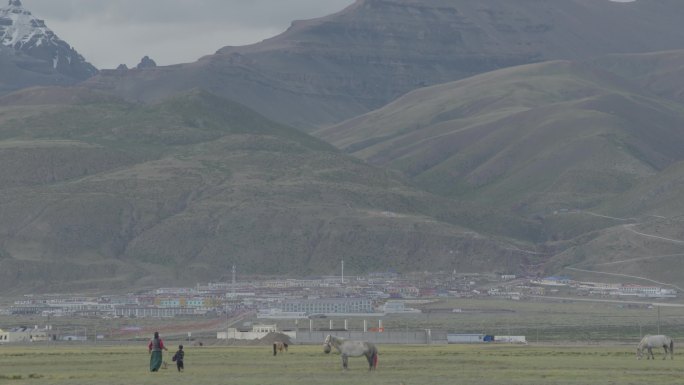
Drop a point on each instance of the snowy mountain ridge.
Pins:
(25, 33)
(19, 28)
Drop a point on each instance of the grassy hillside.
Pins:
(111, 194)
(538, 165)
(581, 150)
(643, 235)
(659, 72)
(532, 139)
(647, 253)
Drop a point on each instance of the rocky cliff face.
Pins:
(33, 54)
(329, 69)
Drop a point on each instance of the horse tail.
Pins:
(375, 358)
(285, 345)
(671, 348)
(274, 348)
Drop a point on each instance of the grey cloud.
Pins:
(254, 12)
(110, 32)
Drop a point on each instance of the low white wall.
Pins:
(238, 335)
(511, 339)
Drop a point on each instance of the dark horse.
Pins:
(279, 347)
(352, 349)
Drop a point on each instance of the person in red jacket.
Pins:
(155, 348)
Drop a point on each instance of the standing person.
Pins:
(178, 357)
(155, 348)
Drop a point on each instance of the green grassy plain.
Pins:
(303, 365)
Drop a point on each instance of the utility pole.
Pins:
(342, 271)
(232, 297)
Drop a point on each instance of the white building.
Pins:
(258, 331)
(23, 334)
(397, 307)
(329, 305)
(646, 291)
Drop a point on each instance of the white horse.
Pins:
(352, 349)
(649, 342)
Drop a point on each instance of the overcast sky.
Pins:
(110, 32)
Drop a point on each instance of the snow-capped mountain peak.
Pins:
(23, 32)
(18, 27)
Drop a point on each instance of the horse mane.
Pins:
(334, 340)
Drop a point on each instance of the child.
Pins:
(178, 357)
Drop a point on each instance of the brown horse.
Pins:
(279, 346)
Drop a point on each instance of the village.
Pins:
(301, 300)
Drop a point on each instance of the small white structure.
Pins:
(258, 331)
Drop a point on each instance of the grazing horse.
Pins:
(649, 342)
(279, 347)
(352, 349)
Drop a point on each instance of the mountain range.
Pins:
(526, 137)
(326, 70)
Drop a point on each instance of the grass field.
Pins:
(303, 365)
